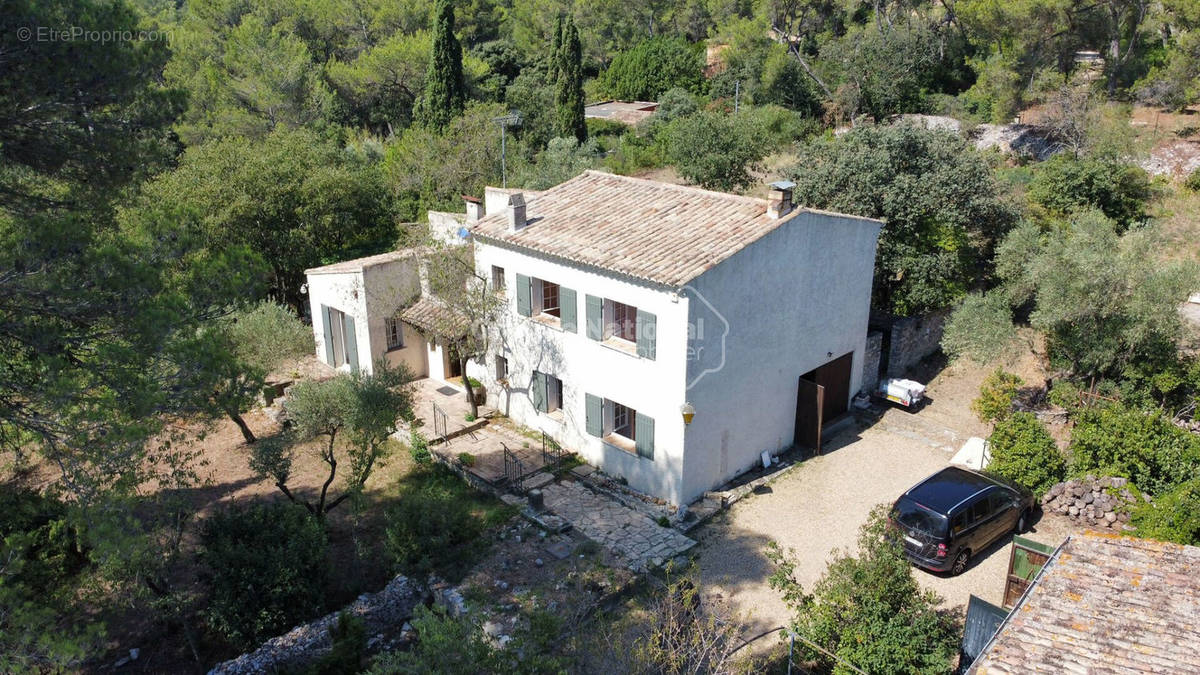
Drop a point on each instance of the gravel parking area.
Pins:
(817, 509)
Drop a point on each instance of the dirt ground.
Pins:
(817, 508)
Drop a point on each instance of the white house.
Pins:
(629, 302)
(369, 309)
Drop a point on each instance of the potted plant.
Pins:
(479, 391)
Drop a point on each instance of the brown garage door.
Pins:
(822, 395)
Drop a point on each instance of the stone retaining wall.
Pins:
(871, 356)
(914, 338)
(384, 614)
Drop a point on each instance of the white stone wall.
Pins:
(652, 387)
(793, 300)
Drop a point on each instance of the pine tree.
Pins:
(445, 91)
(568, 97)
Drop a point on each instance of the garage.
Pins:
(822, 395)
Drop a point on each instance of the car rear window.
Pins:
(912, 516)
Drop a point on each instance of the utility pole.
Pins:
(513, 118)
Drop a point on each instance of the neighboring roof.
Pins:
(947, 488)
(659, 232)
(360, 264)
(629, 112)
(1107, 604)
(432, 316)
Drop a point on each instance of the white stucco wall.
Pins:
(791, 299)
(369, 295)
(652, 387)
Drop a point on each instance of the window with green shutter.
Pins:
(594, 415)
(647, 331)
(644, 432)
(524, 299)
(568, 309)
(537, 391)
(351, 344)
(594, 317)
(327, 336)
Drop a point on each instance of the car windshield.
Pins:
(912, 516)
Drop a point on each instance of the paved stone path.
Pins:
(638, 539)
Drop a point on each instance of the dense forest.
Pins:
(169, 169)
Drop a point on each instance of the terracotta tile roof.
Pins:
(664, 233)
(1108, 604)
(432, 316)
(360, 264)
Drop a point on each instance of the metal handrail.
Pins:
(554, 453)
(511, 460)
(440, 430)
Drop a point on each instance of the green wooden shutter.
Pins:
(594, 409)
(328, 334)
(537, 391)
(351, 344)
(595, 317)
(568, 309)
(524, 299)
(644, 431)
(647, 331)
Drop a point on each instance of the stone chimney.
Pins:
(475, 209)
(516, 212)
(779, 199)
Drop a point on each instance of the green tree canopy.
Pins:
(716, 150)
(652, 67)
(868, 610)
(1102, 299)
(295, 198)
(445, 89)
(942, 207)
(568, 99)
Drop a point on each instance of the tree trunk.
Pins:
(462, 365)
(332, 462)
(241, 423)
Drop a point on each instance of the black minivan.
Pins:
(956, 512)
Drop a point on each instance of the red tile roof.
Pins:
(659, 232)
(1107, 604)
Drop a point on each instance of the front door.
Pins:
(453, 365)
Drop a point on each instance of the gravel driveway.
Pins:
(818, 508)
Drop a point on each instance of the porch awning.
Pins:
(434, 318)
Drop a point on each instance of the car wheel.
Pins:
(960, 563)
(1022, 522)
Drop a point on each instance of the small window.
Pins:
(395, 333)
(501, 368)
(550, 299)
(624, 322)
(623, 419)
(497, 278)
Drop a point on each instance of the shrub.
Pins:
(432, 530)
(1022, 450)
(418, 447)
(869, 610)
(1066, 185)
(467, 459)
(1174, 516)
(718, 151)
(35, 527)
(652, 67)
(1145, 448)
(1192, 182)
(447, 645)
(267, 571)
(349, 638)
(996, 396)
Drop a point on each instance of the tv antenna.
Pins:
(512, 119)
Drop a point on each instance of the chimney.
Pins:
(474, 208)
(516, 212)
(779, 199)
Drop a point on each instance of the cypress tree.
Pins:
(569, 93)
(445, 92)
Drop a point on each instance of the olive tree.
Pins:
(361, 408)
